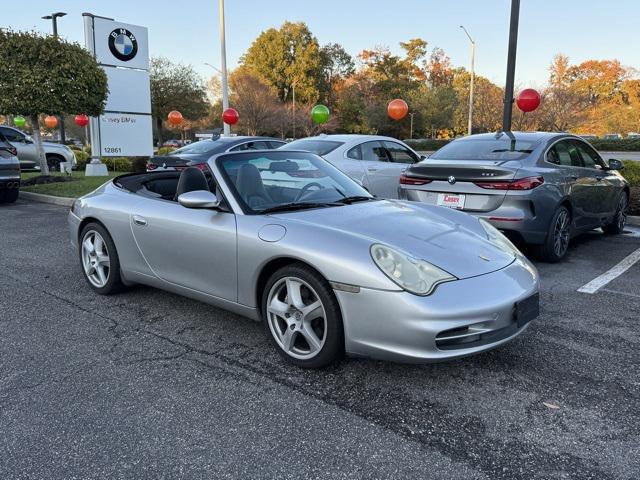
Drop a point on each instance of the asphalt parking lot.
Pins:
(147, 384)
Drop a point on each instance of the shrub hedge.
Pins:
(631, 172)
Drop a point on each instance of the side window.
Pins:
(275, 144)
(590, 158)
(373, 152)
(251, 146)
(12, 135)
(355, 153)
(399, 153)
(565, 154)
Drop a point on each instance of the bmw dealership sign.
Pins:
(122, 50)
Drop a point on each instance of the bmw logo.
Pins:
(123, 44)
(451, 179)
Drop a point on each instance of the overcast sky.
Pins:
(188, 30)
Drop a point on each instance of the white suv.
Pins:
(28, 155)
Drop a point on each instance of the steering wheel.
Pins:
(306, 188)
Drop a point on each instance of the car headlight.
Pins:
(413, 275)
(496, 238)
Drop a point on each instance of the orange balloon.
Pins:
(397, 109)
(50, 121)
(174, 118)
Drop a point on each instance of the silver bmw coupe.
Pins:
(286, 238)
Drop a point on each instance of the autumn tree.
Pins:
(176, 87)
(256, 100)
(487, 103)
(286, 57)
(48, 75)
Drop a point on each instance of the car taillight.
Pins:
(151, 166)
(527, 183)
(408, 180)
(201, 166)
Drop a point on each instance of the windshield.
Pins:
(280, 180)
(319, 147)
(485, 149)
(203, 146)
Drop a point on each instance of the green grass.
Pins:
(80, 185)
(631, 172)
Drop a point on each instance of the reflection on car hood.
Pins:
(451, 240)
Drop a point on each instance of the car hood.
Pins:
(451, 240)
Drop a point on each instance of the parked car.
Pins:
(9, 172)
(612, 136)
(542, 188)
(196, 154)
(172, 143)
(290, 239)
(374, 161)
(28, 155)
(588, 137)
(633, 135)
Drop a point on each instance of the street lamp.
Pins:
(473, 61)
(214, 67)
(223, 73)
(54, 20)
(411, 114)
(511, 65)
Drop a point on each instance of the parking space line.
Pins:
(597, 283)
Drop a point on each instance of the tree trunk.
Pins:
(159, 130)
(37, 139)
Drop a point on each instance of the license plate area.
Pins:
(526, 310)
(451, 200)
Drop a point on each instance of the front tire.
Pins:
(556, 243)
(99, 260)
(619, 221)
(302, 317)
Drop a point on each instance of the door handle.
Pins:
(138, 220)
(372, 169)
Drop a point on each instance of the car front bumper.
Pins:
(460, 318)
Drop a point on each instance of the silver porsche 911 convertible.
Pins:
(286, 238)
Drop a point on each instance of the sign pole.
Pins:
(223, 63)
(511, 66)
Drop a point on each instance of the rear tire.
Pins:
(302, 317)
(556, 243)
(9, 195)
(54, 161)
(99, 260)
(617, 224)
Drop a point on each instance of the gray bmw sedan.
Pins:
(540, 188)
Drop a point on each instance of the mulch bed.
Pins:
(41, 180)
(634, 203)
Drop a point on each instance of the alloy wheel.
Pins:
(622, 212)
(296, 318)
(95, 259)
(561, 233)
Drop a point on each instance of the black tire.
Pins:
(53, 161)
(619, 221)
(556, 243)
(9, 195)
(332, 328)
(113, 280)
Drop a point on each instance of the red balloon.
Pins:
(528, 100)
(174, 118)
(397, 109)
(82, 120)
(230, 116)
(50, 121)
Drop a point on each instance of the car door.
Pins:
(25, 146)
(578, 181)
(606, 189)
(192, 248)
(373, 158)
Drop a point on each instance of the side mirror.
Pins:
(199, 199)
(615, 164)
(423, 157)
(27, 139)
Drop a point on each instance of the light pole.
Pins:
(54, 20)
(411, 114)
(473, 61)
(511, 66)
(223, 73)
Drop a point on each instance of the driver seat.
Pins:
(191, 179)
(250, 186)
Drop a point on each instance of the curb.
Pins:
(39, 197)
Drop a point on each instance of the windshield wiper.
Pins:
(297, 206)
(353, 199)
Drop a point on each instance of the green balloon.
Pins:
(320, 114)
(19, 121)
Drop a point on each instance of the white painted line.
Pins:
(597, 283)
